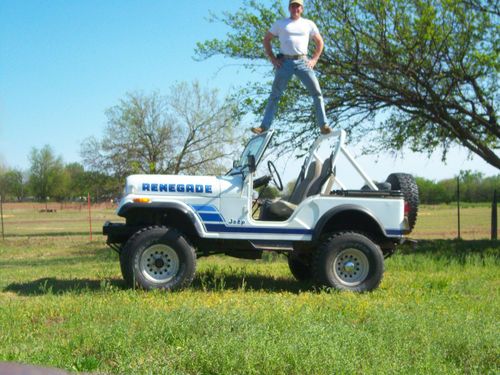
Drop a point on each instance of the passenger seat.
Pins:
(283, 209)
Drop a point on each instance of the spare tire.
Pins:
(406, 183)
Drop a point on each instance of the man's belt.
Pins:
(294, 57)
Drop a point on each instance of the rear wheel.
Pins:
(158, 258)
(406, 183)
(348, 261)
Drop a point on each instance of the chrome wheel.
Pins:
(351, 267)
(159, 263)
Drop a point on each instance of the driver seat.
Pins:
(284, 209)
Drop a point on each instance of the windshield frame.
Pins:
(241, 164)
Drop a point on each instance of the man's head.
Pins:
(296, 7)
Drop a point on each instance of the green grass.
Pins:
(63, 304)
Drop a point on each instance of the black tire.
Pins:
(300, 268)
(406, 183)
(158, 258)
(123, 268)
(348, 261)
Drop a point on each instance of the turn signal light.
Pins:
(142, 200)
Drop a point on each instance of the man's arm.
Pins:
(269, 49)
(318, 41)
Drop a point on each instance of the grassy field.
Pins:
(63, 304)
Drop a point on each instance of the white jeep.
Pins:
(334, 237)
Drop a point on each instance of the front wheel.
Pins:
(158, 258)
(349, 261)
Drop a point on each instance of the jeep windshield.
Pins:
(256, 147)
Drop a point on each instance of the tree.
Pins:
(188, 131)
(46, 174)
(421, 74)
(12, 184)
(268, 192)
(99, 185)
(77, 186)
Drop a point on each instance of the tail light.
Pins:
(407, 208)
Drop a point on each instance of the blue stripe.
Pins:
(202, 207)
(223, 228)
(211, 217)
(394, 232)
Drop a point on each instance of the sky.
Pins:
(64, 62)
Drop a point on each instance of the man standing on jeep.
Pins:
(294, 34)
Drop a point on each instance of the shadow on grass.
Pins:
(452, 249)
(51, 285)
(204, 281)
(210, 282)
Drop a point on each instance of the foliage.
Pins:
(421, 74)
(46, 174)
(189, 131)
(474, 187)
(268, 192)
(99, 185)
(12, 184)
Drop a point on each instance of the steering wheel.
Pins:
(275, 175)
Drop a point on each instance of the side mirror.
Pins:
(251, 163)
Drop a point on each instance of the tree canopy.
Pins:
(187, 131)
(46, 174)
(12, 184)
(421, 74)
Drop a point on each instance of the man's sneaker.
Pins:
(325, 129)
(258, 130)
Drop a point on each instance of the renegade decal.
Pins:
(178, 188)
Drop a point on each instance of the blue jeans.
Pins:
(308, 78)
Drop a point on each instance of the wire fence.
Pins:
(30, 219)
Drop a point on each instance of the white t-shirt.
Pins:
(294, 35)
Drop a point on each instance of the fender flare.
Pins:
(182, 207)
(337, 210)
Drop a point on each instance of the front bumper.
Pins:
(118, 233)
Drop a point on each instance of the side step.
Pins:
(272, 245)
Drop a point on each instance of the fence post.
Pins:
(90, 216)
(1, 215)
(458, 206)
(494, 221)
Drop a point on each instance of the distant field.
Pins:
(440, 221)
(23, 219)
(434, 222)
